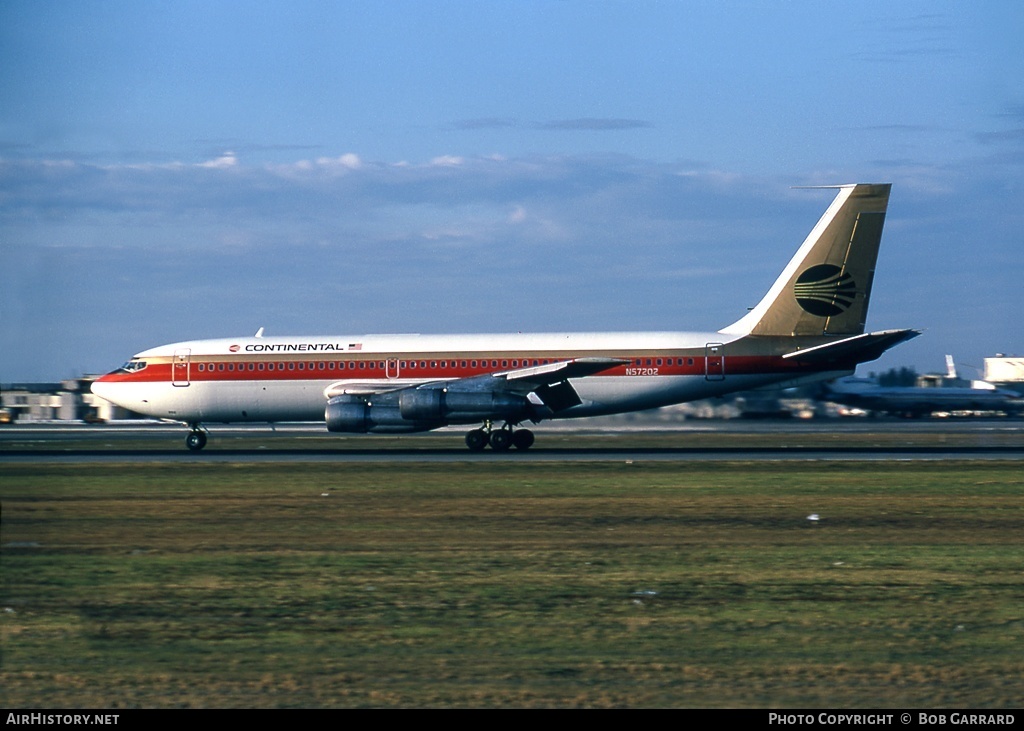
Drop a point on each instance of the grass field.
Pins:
(513, 585)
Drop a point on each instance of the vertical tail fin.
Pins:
(824, 290)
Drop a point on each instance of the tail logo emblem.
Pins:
(825, 290)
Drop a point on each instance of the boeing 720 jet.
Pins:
(808, 327)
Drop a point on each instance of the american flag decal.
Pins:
(355, 346)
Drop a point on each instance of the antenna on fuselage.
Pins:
(259, 333)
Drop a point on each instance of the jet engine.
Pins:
(430, 404)
(352, 414)
(422, 409)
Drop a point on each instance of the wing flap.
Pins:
(550, 383)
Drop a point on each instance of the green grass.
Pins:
(504, 584)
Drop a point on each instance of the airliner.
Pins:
(808, 327)
(918, 401)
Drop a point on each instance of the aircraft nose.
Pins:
(103, 388)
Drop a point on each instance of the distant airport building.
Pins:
(1005, 371)
(69, 400)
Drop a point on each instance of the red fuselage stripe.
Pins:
(238, 369)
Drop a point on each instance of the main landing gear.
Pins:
(500, 439)
(196, 438)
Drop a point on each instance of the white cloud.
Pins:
(227, 160)
(348, 161)
(447, 161)
(622, 239)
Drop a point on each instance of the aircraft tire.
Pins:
(195, 441)
(522, 439)
(501, 440)
(476, 440)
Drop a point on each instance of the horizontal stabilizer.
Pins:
(855, 349)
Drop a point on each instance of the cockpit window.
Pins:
(133, 365)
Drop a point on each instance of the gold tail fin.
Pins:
(824, 290)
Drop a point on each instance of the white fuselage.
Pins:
(290, 379)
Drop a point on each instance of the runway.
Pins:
(705, 441)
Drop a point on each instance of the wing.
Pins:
(563, 369)
(545, 385)
(548, 383)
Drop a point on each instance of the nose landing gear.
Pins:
(196, 438)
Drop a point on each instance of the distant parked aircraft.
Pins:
(809, 326)
(916, 401)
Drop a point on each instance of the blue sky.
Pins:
(177, 170)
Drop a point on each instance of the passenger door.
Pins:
(180, 367)
(714, 362)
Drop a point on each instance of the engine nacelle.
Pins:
(422, 409)
(438, 404)
(351, 414)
